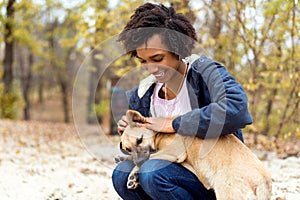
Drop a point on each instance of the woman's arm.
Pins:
(228, 110)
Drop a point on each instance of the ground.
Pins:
(47, 161)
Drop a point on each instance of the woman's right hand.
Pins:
(122, 123)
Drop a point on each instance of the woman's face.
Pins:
(156, 58)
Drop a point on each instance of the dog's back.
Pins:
(224, 164)
(230, 168)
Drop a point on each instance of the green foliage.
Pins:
(102, 108)
(259, 44)
(11, 103)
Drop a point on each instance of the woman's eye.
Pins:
(158, 60)
(142, 61)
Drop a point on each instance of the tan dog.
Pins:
(229, 167)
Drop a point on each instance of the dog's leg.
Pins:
(133, 178)
(172, 149)
(123, 158)
(139, 156)
(132, 181)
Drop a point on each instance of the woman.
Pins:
(194, 96)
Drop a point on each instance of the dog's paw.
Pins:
(131, 185)
(119, 159)
(132, 182)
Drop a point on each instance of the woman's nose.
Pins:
(151, 68)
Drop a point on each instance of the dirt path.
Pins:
(48, 161)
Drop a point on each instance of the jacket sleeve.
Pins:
(227, 111)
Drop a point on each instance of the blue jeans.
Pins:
(160, 179)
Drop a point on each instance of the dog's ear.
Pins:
(134, 116)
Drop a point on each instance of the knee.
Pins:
(120, 174)
(153, 172)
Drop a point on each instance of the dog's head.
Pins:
(135, 137)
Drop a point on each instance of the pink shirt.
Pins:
(170, 108)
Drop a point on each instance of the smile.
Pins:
(159, 74)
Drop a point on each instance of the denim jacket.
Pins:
(219, 103)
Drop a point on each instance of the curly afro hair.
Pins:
(177, 33)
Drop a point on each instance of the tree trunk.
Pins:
(185, 4)
(26, 87)
(25, 77)
(41, 88)
(93, 85)
(269, 109)
(65, 86)
(215, 29)
(9, 47)
(65, 100)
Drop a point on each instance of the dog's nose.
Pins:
(152, 150)
(126, 151)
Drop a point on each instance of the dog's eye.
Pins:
(139, 140)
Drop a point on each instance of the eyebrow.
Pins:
(151, 57)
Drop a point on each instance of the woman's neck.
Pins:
(171, 88)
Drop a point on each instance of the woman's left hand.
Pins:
(158, 124)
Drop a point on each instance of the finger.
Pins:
(121, 125)
(145, 125)
(138, 124)
(120, 131)
(122, 122)
(148, 120)
(148, 126)
(124, 118)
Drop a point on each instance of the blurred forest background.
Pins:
(44, 42)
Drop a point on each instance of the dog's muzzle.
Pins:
(126, 152)
(152, 151)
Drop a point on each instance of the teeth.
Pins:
(160, 74)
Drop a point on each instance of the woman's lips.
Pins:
(159, 74)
